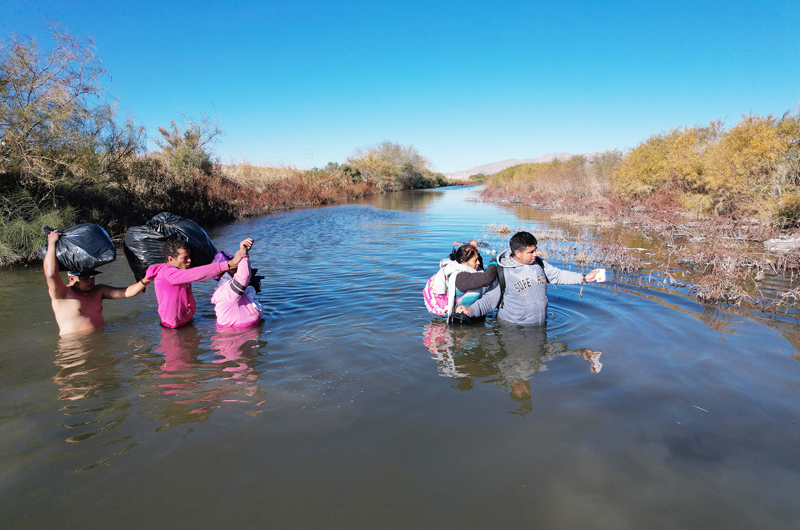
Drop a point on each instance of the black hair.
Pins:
(463, 253)
(171, 250)
(521, 241)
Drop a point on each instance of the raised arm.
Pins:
(177, 276)
(243, 272)
(55, 285)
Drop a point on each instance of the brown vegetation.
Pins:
(709, 195)
(66, 157)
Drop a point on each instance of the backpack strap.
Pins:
(540, 263)
(501, 277)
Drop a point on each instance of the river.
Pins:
(352, 407)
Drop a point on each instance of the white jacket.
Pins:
(445, 281)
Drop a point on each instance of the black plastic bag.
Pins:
(145, 245)
(82, 247)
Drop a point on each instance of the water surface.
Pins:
(351, 407)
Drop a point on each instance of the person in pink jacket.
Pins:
(173, 281)
(234, 300)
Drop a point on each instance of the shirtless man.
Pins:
(78, 306)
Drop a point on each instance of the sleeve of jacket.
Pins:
(467, 281)
(243, 272)
(556, 275)
(487, 302)
(177, 276)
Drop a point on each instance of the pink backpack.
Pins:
(436, 303)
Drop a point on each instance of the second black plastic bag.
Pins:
(145, 245)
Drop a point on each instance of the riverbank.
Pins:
(719, 258)
(711, 195)
(214, 193)
(67, 157)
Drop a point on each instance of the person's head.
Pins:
(594, 358)
(466, 254)
(82, 281)
(223, 280)
(523, 247)
(520, 390)
(179, 253)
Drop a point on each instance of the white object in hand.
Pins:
(600, 276)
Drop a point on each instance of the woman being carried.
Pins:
(448, 288)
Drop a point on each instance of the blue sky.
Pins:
(466, 82)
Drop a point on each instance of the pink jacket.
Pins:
(174, 291)
(232, 307)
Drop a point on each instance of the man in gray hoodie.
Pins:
(524, 300)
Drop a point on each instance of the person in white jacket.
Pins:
(460, 279)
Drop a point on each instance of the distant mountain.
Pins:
(494, 167)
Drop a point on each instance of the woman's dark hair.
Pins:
(171, 250)
(463, 253)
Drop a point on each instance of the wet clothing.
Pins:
(525, 296)
(232, 304)
(176, 304)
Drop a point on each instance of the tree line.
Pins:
(67, 155)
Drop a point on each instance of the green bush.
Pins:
(20, 239)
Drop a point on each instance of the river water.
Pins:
(352, 407)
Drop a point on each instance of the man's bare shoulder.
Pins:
(84, 296)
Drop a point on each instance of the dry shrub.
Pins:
(744, 170)
(749, 170)
(257, 177)
(725, 273)
(390, 167)
(500, 229)
(671, 159)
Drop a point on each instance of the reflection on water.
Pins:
(507, 355)
(82, 374)
(201, 381)
(689, 419)
(404, 202)
(181, 381)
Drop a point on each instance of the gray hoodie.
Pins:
(525, 297)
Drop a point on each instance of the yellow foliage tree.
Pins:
(742, 165)
(675, 158)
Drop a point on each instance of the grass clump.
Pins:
(21, 236)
